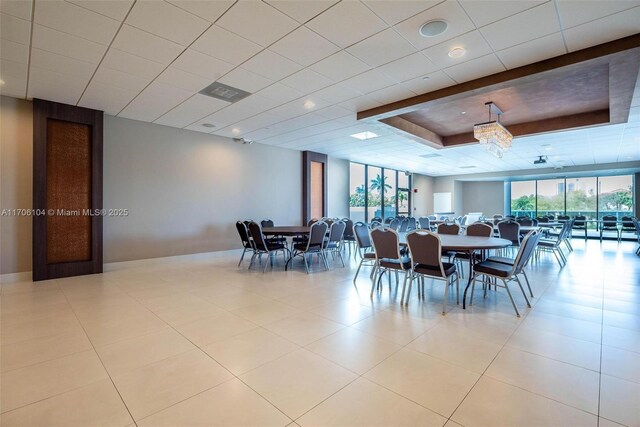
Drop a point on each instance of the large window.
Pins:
(378, 192)
(357, 195)
(592, 197)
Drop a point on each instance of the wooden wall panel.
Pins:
(308, 159)
(317, 189)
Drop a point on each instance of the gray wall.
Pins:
(483, 196)
(184, 190)
(338, 188)
(423, 199)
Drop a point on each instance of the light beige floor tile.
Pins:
(619, 401)
(235, 300)
(36, 382)
(452, 424)
(568, 384)
(567, 326)
(363, 403)
(621, 363)
(354, 349)
(431, 382)
(621, 320)
(161, 384)
(626, 339)
(97, 404)
(127, 355)
(154, 291)
(121, 328)
(493, 403)
(297, 381)
(489, 325)
(565, 349)
(248, 350)
(346, 312)
(56, 322)
(265, 313)
(304, 328)
(397, 327)
(456, 347)
(29, 286)
(603, 422)
(181, 308)
(36, 350)
(229, 404)
(211, 329)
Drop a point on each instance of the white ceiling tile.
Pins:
(18, 8)
(256, 122)
(472, 42)
(224, 45)
(280, 93)
(162, 90)
(369, 81)
(302, 10)
(603, 30)
(205, 9)
(361, 103)
(202, 65)
(146, 45)
(183, 80)
(15, 52)
(14, 29)
(57, 87)
(72, 19)
(394, 11)
(115, 78)
(337, 93)
(11, 70)
(271, 65)
(306, 81)
(116, 9)
(191, 110)
(483, 12)
(381, 48)
(66, 44)
(105, 97)
(533, 51)
(167, 21)
(391, 94)
(450, 11)
(304, 47)
(576, 12)
(435, 81)
(131, 64)
(347, 23)
(61, 64)
(340, 66)
(14, 86)
(245, 80)
(147, 107)
(257, 21)
(408, 67)
(522, 27)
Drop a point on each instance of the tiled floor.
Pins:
(205, 343)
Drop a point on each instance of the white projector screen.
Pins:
(442, 202)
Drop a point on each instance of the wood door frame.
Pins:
(307, 158)
(43, 111)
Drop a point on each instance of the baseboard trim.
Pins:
(122, 265)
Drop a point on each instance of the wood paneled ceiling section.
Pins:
(590, 87)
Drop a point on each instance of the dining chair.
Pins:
(334, 243)
(247, 242)
(424, 223)
(580, 223)
(553, 245)
(448, 229)
(510, 230)
(426, 261)
(477, 229)
(264, 246)
(636, 224)
(364, 248)
(609, 223)
(315, 244)
(394, 224)
(404, 225)
(627, 226)
(273, 239)
(504, 272)
(349, 236)
(386, 245)
(528, 254)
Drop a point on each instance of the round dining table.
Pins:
(466, 244)
(286, 230)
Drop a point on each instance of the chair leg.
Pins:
(244, 251)
(404, 287)
(341, 259)
(511, 298)
(266, 263)
(253, 258)
(457, 289)
(446, 295)
(409, 290)
(524, 273)
(358, 271)
(523, 293)
(306, 264)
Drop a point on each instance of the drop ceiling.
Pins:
(148, 59)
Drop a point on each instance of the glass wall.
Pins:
(523, 198)
(615, 196)
(357, 192)
(373, 187)
(592, 197)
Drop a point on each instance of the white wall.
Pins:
(184, 190)
(338, 188)
(423, 199)
(483, 196)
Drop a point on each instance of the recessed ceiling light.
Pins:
(235, 131)
(426, 78)
(208, 125)
(365, 135)
(433, 28)
(457, 52)
(309, 104)
(463, 112)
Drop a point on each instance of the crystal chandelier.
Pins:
(495, 137)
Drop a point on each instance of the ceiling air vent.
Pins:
(430, 156)
(224, 92)
(467, 167)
